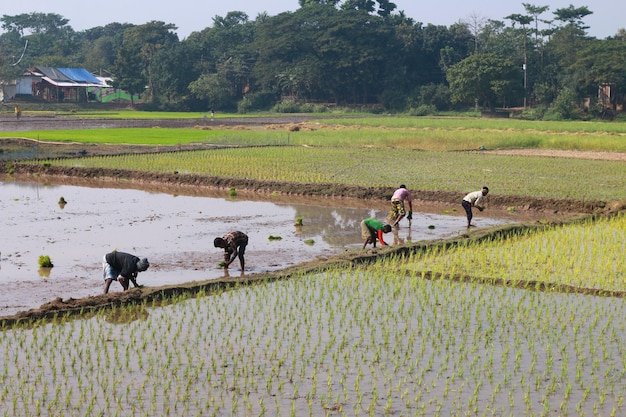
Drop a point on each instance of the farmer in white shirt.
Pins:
(474, 199)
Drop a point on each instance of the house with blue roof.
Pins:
(52, 84)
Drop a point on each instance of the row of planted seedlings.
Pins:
(588, 254)
(367, 341)
(378, 167)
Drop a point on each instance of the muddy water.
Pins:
(175, 232)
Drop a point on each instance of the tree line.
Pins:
(356, 53)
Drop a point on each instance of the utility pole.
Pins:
(525, 67)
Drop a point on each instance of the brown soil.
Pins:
(566, 209)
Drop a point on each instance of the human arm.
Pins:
(133, 279)
(479, 203)
(230, 255)
(380, 237)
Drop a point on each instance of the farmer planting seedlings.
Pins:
(122, 267)
(398, 209)
(234, 244)
(474, 199)
(372, 229)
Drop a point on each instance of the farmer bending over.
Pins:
(234, 244)
(122, 265)
(372, 229)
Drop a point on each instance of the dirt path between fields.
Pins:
(554, 153)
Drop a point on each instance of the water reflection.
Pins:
(176, 232)
(126, 314)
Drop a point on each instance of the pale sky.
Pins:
(195, 15)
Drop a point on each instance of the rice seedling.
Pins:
(586, 255)
(365, 341)
(371, 168)
(44, 261)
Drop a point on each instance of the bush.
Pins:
(437, 95)
(293, 106)
(536, 113)
(564, 106)
(423, 110)
(255, 102)
(287, 106)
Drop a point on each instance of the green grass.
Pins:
(151, 136)
(429, 134)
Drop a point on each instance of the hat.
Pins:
(143, 264)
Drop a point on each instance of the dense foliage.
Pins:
(352, 53)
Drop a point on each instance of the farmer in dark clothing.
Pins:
(122, 265)
(234, 244)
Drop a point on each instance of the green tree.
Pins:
(214, 89)
(173, 70)
(50, 39)
(100, 46)
(134, 63)
(288, 62)
(385, 7)
(573, 16)
(535, 11)
(600, 61)
(128, 72)
(484, 79)
(225, 59)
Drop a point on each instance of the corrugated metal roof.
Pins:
(70, 83)
(80, 75)
(68, 77)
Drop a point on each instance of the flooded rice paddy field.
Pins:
(340, 343)
(175, 232)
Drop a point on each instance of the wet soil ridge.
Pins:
(325, 190)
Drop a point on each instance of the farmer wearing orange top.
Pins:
(372, 229)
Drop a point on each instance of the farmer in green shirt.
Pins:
(372, 229)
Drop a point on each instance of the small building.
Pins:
(607, 95)
(58, 84)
